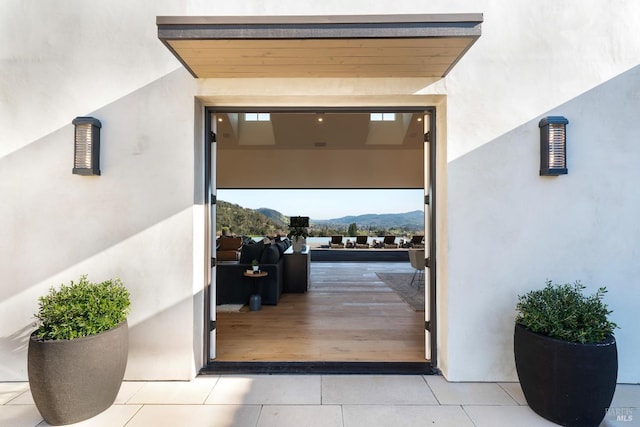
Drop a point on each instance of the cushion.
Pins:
(282, 246)
(268, 241)
(270, 255)
(251, 252)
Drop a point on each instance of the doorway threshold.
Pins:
(323, 368)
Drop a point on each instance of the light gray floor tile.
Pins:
(174, 392)
(267, 390)
(405, 416)
(376, 389)
(449, 393)
(25, 398)
(494, 416)
(627, 395)
(625, 407)
(127, 390)
(19, 416)
(116, 415)
(9, 391)
(300, 415)
(196, 416)
(515, 391)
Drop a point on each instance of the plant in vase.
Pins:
(298, 236)
(565, 353)
(78, 354)
(255, 266)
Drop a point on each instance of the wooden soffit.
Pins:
(320, 46)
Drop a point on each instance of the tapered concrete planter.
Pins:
(72, 380)
(571, 384)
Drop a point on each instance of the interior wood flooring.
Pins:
(347, 315)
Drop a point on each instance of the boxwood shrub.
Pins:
(82, 309)
(564, 312)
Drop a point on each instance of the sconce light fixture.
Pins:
(86, 151)
(553, 146)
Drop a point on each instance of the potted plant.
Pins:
(298, 237)
(255, 266)
(78, 354)
(565, 353)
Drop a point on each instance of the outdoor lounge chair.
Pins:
(361, 242)
(390, 242)
(417, 242)
(336, 242)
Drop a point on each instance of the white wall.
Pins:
(509, 229)
(142, 219)
(64, 59)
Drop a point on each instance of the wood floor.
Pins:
(347, 315)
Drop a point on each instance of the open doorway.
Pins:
(329, 149)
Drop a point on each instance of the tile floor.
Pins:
(313, 400)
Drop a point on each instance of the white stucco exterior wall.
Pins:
(135, 221)
(506, 229)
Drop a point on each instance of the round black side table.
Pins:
(255, 300)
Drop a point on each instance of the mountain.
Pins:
(407, 220)
(235, 219)
(275, 216)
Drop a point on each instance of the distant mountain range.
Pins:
(408, 220)
(238, 220)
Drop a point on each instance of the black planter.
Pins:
(571, 384)
(72, 380)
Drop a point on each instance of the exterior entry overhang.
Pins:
(320, 46)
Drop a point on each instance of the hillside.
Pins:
(235, 219)
(408, 219)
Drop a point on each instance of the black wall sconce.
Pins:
(86, 151)
(553, 146)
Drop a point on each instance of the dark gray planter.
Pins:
(72, 380)
(571, 384)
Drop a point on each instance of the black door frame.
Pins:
(307, 367)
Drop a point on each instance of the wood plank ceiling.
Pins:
(320, 46)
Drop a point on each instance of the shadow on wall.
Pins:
(525, 229)
(62, 225)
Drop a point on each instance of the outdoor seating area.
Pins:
(336, 242)
(387, 242)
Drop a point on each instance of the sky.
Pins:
(327, 204)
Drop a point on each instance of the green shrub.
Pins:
(564, 312)
(82, 309)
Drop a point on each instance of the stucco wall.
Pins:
(506, 231)
(135, 221)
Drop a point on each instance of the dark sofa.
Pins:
(232, 287)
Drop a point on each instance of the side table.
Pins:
(296, 271)
(255, 300)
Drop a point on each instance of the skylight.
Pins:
(257, 117)
(383, 117)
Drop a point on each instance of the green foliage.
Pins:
(297, 232)
(82, 309)
(236, 220)
(353, 230)
(564, 312)
(242, 221)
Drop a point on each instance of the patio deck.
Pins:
(309, 400)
